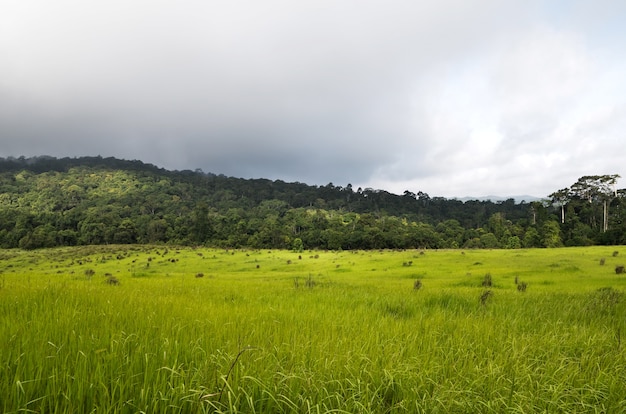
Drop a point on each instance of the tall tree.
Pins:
(607, 190)
(561, 198)
(597, 188)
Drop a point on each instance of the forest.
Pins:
(48, 202)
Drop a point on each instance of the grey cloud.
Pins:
(313, 91)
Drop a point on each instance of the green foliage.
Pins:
(532, 238)
(551, 234)
(513, 242)
(47, 202)
(297, 245)
(489, 241)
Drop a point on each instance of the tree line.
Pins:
(46, 202)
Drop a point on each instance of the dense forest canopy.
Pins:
(45, 202)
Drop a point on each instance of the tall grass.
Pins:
(356, 337)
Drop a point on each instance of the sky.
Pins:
(451, 97)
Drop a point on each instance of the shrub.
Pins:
(620, 269)
(112, 280)
(484, 297)
(297, 245)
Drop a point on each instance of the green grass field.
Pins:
(155, 329)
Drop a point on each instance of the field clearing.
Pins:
(126, 329)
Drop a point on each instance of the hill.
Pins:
(495, 198)
(46, 202)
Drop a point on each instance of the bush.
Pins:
(297, 245)
(484, 297)
(112, 280)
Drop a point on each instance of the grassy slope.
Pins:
(277, 331)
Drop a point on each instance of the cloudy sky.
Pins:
(450, 97)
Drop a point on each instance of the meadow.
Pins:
(162, 329)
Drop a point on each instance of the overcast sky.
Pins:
(449, 97)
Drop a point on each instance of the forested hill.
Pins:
(45, 201)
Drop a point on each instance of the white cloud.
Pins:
(511, 118)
